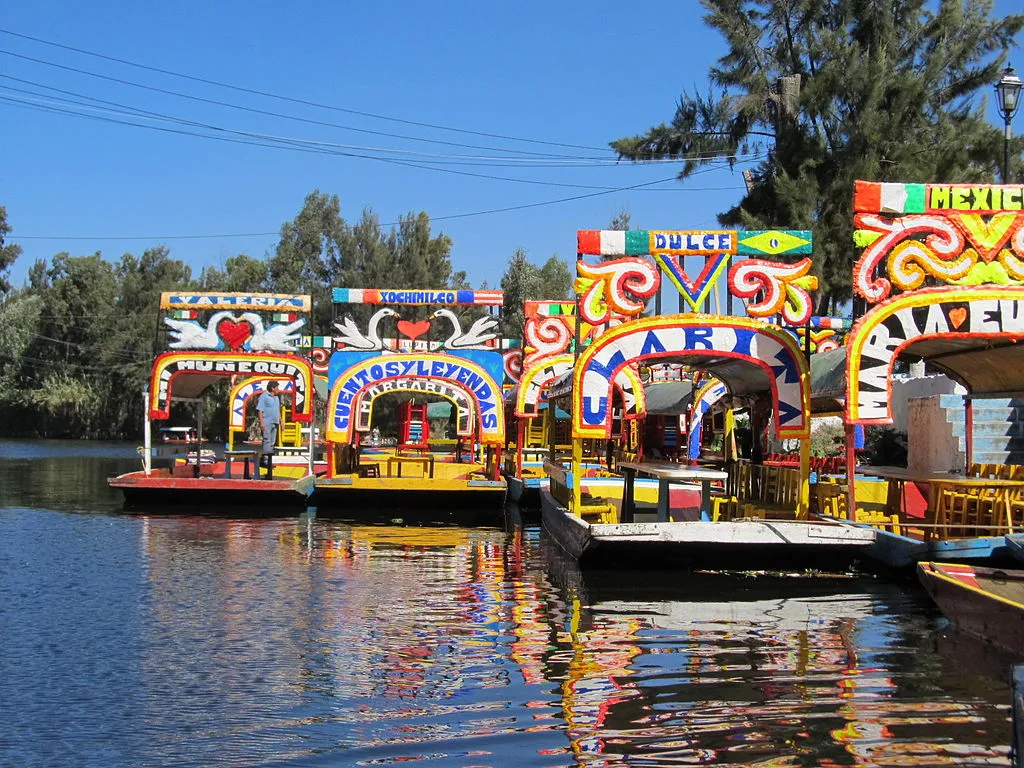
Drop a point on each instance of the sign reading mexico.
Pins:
(469, 378)
(172, 365)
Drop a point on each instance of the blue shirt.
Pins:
(270, 406)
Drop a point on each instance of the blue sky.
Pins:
(557, 74)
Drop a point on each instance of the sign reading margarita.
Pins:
(464, 406)
(462, 374)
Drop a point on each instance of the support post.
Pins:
(199, 435)
(520, 444)
(147, 435)
(968, 433)
(803, 501)
(577, 461)
(851, 472)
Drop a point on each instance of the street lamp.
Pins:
(1008, 96)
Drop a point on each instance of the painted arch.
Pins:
(187, 374)
(767, 347)
(539, 377)
(705, 399)
(463, 374)
(962, 320)
(456, 394)
(244, 391)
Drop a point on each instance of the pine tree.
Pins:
(829, 91)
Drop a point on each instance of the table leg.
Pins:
(705, 500)
(663, 501)
(628, 504)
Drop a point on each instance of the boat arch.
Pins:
(749, 356)
(971, 333)
(243, 391)
(456, 394)
(187, 374)
(541, 376)
(458, 374)
(705, 399)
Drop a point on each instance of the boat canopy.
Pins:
(828, 382)
(669, 398)
(987, 367)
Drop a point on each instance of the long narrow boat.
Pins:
(736, 545)
(985, 602)
(466, 370)
(248, 339)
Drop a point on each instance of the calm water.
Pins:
(133, 640)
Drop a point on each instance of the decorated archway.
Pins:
(538, 378)
(245, 390)
(460, 374)
(959, 329)
(720, 341)
(187, 374)
(705, 399)
(456, 394)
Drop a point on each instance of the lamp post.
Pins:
(1008, 96)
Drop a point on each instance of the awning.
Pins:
(828, 381)
(987, 368)
(669, 398)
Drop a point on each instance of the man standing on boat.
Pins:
(269, 408)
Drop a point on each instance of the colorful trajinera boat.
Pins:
(985, 602)
(249, 340)
(942, 273)
(756, 365)
(424, 473)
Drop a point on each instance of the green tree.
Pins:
(555, 280)
(308, 258)
(829, 91)
(524, 281)
(240, 273)
(8, 253)
(521, 282)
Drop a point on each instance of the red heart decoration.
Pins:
(957, 316)
(413, 331)
(234, 333)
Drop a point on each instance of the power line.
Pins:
(293, 99)
(12, 237)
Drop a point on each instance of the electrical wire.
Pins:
(292, 99)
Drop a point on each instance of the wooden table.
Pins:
(247, 455)
(666, 473)
(426, 464)
(898, 477)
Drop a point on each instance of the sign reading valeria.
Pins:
(281, 302)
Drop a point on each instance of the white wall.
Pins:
(931, 445)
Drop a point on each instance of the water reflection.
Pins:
(135, 640)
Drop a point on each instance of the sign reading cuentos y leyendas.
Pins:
(461, 374)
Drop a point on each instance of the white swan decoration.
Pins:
(189, 334)
(352, 338)
(276, 338)
(482, 331)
